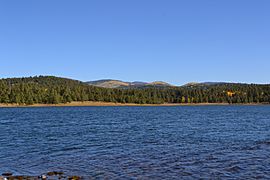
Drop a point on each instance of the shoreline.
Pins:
(97, 104)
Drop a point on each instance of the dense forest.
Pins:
(54, 90)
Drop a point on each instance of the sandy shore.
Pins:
(92, 103)
(85, 103)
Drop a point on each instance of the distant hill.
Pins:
(111, 83)
(197, 84)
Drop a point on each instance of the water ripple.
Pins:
(206, 142)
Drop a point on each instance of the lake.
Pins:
(137, 142)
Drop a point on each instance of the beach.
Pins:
(97, 103)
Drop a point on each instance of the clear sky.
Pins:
(177, 41)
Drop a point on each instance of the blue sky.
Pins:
(170, 40)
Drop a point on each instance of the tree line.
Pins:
(54, 90)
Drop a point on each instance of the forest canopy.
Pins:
(54, 90)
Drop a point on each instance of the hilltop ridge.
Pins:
(111, 83)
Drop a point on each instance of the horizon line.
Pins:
(130, 81)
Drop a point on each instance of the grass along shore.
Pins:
(96, 103)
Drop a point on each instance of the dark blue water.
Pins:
(137, 142)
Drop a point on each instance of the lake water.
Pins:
(137, 142)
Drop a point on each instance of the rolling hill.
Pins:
(110, 83)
